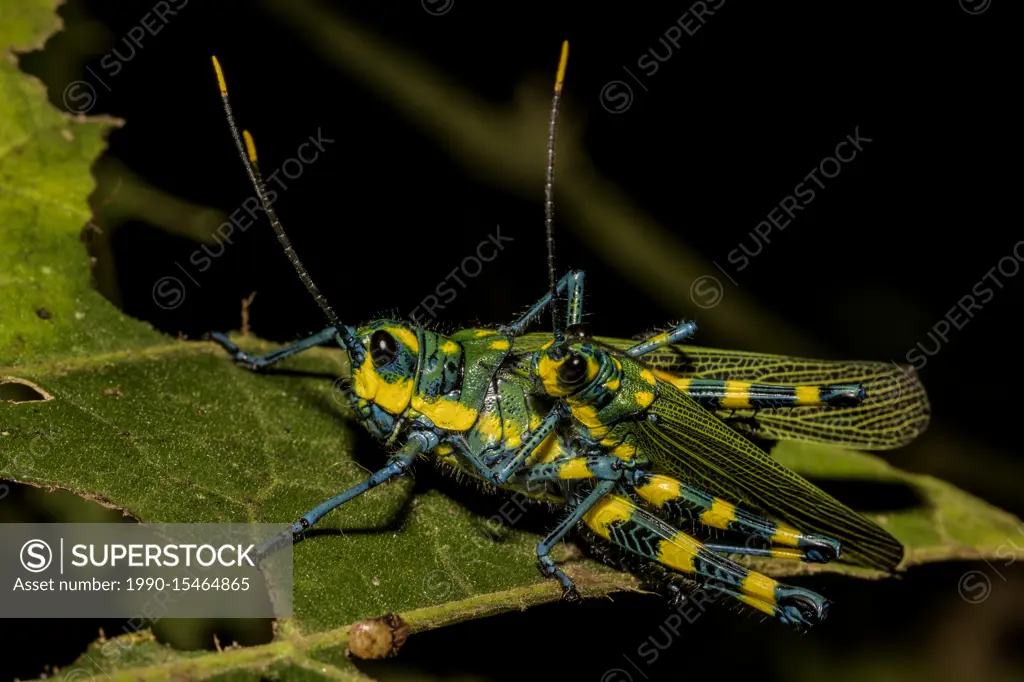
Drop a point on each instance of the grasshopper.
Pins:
(622, 433)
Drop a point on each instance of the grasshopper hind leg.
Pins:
(617, 520)
(691, 597)
(681, 500)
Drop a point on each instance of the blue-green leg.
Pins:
(257, 363)
(547, 564)
(398, 464)
(575, 298)
(681, 331)
(515, 462)
(607, 470)
(503, 464)
(572, 282)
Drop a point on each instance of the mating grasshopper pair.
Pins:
(627, 435)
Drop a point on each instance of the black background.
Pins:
(727, 126)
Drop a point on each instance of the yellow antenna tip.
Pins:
(250, 146)
(561, 66)
(220, 76)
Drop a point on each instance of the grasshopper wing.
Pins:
(692, 444)
(894, 411)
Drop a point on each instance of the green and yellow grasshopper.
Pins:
(626, 435)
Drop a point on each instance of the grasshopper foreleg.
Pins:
(257, 363)
(510, 465)
(398, 464)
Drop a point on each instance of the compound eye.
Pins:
(383, 348)
(573, 371)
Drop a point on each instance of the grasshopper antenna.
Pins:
(247, 151)
(549, 185)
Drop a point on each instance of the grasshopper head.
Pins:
(384, 364)
(383, 356)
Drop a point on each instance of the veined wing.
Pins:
(894, 411)
(690, 443)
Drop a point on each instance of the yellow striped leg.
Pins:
(604, 467)
(682, 500)
(718, 394)
(619, 521)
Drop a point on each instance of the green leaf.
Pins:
(48, 308)
(173, 432)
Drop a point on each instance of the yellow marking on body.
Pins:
(599, 432)
(446, 413)
(808, 395)
(484, 332)
(547, 368)
(501, 344)
(683, 384)
(548, 451)
(407, 338)
(720, 514)
(614, 384)
(757, 604)
(760, 586)
(659, 339)
(443, 449)
(513, 436)
(679, 552)
(626, 451)
(794, 554)
(786, 535)
(250, 146)
(648, 376)
(223, 84)
(563, 61)
(489, 426)
(366, 379)
(393, 398)
(575, 468)
(450, 346)
(608, 510)
(548, 371)
(587, 415)
(548, 344)
(643, 398)
(737, 395)
(659, 490)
